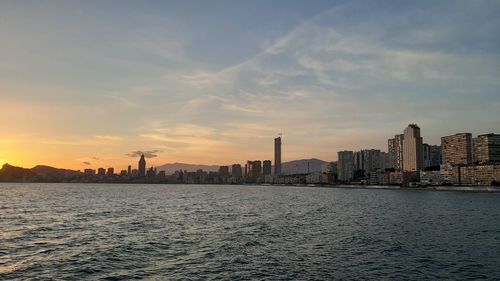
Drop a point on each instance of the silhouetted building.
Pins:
(101, 172)
(412, 149)
(123, 173)
(266, 167)
(486, 149)
(236, 171)
(224, 171)
(395, 150)
(129, 170)
(457, 149)
(111, 172)
(254, 169)
(277, 156)
(431, 155)
(142, 166)
(89, 172)
(345, 165)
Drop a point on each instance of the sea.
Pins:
(64, 231)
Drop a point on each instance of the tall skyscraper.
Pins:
(345, 165)
(412, 149)
(432, 155)
(142, 166)
(486, 149)
(129, 170)
(457, 149)
(266, 167)
(277, 156)
(395, 150)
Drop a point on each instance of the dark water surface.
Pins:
(88, 231)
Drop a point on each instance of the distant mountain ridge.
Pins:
(170, 168)
(291, 167)
(302, 166)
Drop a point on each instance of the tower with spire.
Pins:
(142, 166)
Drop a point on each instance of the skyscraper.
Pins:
(266, 167)
(129, 170)
(457, 149)
(395, 150)
(412, 149)
(345, 166)
(236, 171)
(277, 156)
(142, 166)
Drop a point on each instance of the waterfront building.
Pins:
(224, 171)
(483, 175)
(254, 170)
(345, 165)
(486, 149)
(457, 149)
(142, 166)
(111, 172)
(395, 151)
(89, 172)
(123, 173)
(266, 167)
(277, 156)
(101, 172)
(129, 170)
(412, 149)
(236, 171)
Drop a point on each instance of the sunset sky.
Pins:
(85, 84)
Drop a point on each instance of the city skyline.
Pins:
(86, 84)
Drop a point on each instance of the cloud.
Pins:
(87, 163)
(108, 137)
(146, 153)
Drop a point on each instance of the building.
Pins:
(129, 170)
(254, 170)
(266, 167)
(412, 149)
(101, 172)
(345, 166)
(111, 172)
(236, 171)
(457, 149)
(224, 171)
(142, 166)
(395, 150)
(486, 149)
(483, 175)
(277, 156)
(432, 155)
(89, 172)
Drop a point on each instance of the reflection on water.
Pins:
(78, 231)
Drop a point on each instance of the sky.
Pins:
(88, 84)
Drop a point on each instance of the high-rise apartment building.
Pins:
(266, 167)
(142, 166)
(254, 169)
(412, 149)
(345, 165)
(432, 155)
(395, 150)
(486, 149)
(224, 171)
(277, 156)
(457, 149)
(236, 171)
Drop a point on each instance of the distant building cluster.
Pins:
(459, 160)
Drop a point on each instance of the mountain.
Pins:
(301, 166)
(170, 168)
(13, 173)
(47, 171)
(38, 173)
